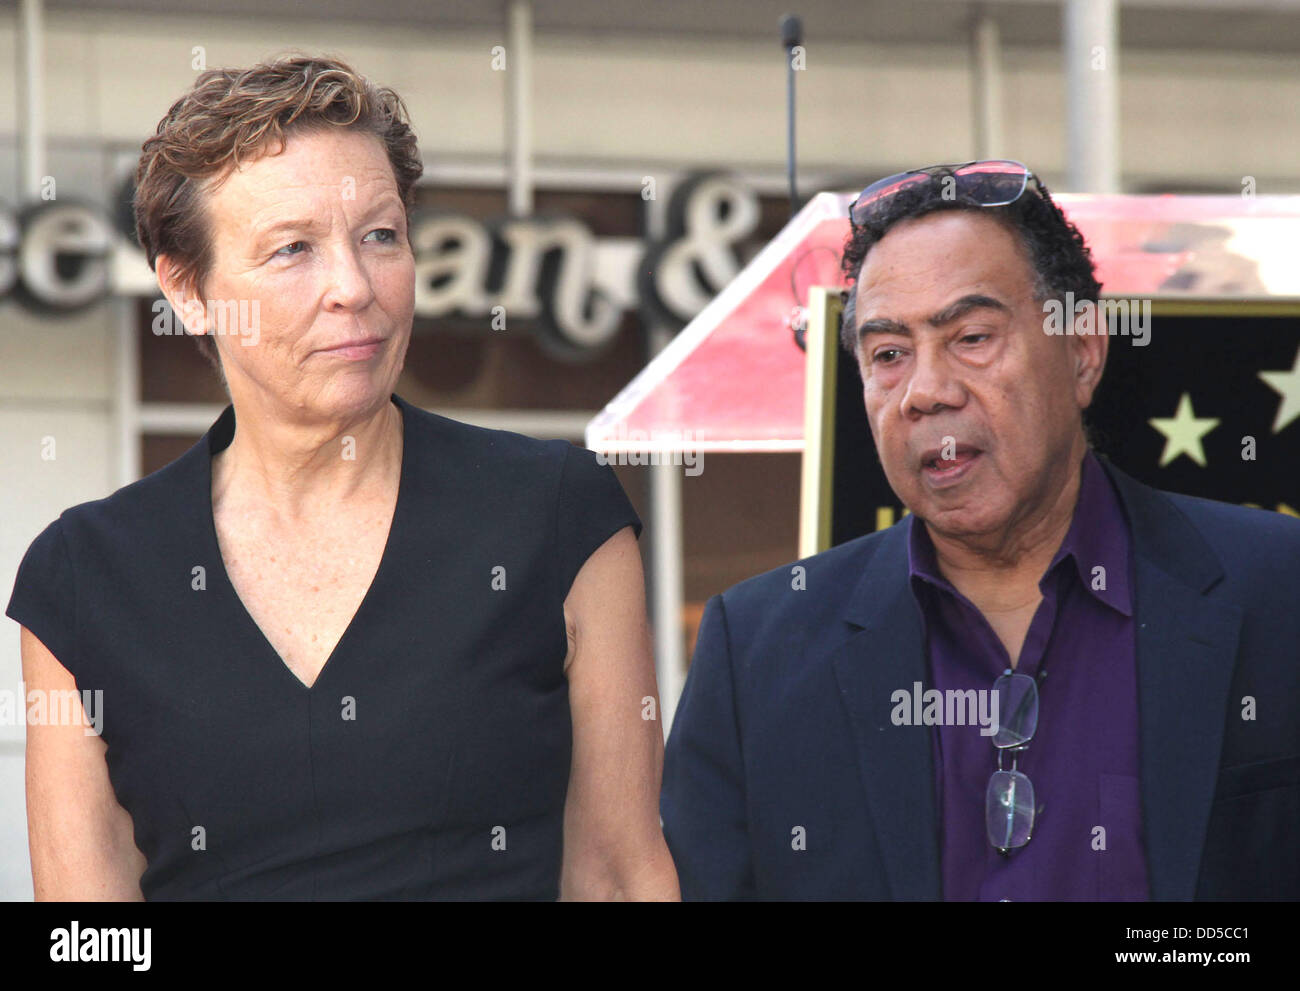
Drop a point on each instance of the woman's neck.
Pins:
(305, 468)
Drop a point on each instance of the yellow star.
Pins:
(1183, 432)
(1288, 384)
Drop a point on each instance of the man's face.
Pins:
(317, 235)
(955, 361)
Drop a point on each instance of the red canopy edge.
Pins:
(732, 380)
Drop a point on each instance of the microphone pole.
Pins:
(791, 37)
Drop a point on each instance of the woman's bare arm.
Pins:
(81, 839)
(614, 846)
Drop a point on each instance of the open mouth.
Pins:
(944, 464)
(941, 469)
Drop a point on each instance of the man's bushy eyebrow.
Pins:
(958, 309)
(884, 326)
(953, 311)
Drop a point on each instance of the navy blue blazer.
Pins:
(784, 722)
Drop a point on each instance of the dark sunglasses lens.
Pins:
(992, 188)
(1017, 716)
(875, 196)
(987, 183)
(1009, 810)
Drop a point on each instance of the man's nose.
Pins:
(933, 383)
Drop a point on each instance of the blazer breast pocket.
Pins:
(1260, 775)
(1250, 851)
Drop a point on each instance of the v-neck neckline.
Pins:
(223, 429)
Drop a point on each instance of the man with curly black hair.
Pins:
(877, 721)
(1060, 260)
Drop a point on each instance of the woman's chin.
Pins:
(352, 394)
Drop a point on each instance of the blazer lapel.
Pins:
(884, 652)
(1186, 648)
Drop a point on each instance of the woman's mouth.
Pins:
(357, 350)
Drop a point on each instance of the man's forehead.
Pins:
(937, 258)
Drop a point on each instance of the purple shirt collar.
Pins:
(1098, 534)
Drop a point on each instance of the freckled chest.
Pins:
(302, 585)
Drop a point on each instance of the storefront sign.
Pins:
(551, 273)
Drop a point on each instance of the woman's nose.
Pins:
(349, 282)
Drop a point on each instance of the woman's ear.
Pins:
(184, 297)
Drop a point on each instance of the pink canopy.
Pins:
(732, 380)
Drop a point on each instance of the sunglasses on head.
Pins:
(992, 183)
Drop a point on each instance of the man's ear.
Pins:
(181, 292)
(848, 314)
(1089, 353)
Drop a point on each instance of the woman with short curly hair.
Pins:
(347, 648)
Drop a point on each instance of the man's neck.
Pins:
(1002, 574)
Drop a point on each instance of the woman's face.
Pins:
(313, 242)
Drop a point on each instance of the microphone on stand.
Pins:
(791, 37)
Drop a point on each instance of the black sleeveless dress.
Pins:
(430, 759)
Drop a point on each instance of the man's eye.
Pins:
(287, 249)
(389, 237)
(877, 356)
(971, 337)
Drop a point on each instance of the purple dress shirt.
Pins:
(1083, 759)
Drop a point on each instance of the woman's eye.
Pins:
(288, 248)
(389, 237)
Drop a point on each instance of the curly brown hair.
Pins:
(231, 116)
